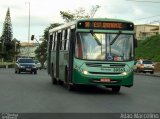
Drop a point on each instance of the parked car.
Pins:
(38, 64)
(25, 65)
(144, 66)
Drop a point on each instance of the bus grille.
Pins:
(106, 73)
(111, 65)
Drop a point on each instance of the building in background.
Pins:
(24, 49)
(145, 30)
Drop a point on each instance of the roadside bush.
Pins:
(5, 66)
(11, 66)
(157, 67)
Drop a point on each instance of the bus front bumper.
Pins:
(106, 80)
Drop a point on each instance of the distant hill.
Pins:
(149, 48)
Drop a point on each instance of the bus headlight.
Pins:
(124, 73)
(85, 72)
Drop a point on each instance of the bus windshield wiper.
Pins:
(111, 43)
(95, 37)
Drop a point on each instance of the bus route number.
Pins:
(119, 69)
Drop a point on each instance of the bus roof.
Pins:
(103, 19)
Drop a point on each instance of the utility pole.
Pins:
(28, 26)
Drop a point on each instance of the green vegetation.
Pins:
(42, 49)
(9, 47)
(79, 13)
(7, 65)
(149, 48)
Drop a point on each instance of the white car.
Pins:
(144, 66)
(38, 64)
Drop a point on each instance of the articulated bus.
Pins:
(93, 51)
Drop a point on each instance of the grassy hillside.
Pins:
(149, 48)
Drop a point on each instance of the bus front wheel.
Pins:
(70, 87)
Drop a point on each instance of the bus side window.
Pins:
(67, 40)
(53, 41)
(55, 45)
(60, 38)
(50, 41)
(64, 38)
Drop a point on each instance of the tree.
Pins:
(42, 48)
(67, 16)
(46, 31)
(71, 16)
(16, 50)
(94, 10)
(6, 38)
(78, 14)
(41, 52)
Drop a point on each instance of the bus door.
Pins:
(71, 54)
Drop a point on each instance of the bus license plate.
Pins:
(105, 80)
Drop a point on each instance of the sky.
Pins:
(45, 12)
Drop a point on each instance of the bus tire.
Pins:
(116, 89)
(70, 87)
(54, 80)
(60, 82)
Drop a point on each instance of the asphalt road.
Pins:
(28, 93)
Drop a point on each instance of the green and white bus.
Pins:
(93, 51)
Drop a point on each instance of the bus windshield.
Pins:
(104, 46)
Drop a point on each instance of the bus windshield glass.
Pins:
(104, 46)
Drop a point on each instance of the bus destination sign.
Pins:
(105, 25)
